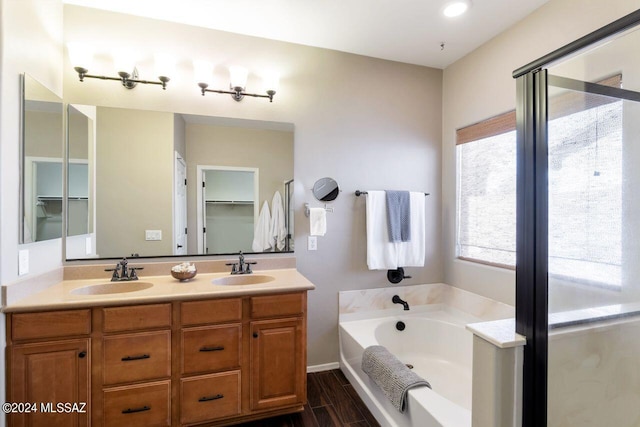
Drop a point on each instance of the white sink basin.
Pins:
(112, 288)
(243, 279)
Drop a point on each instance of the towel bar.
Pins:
(359, 193)
(307, 211)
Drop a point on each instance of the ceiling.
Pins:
(408, 31)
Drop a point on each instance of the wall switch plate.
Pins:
(23, 262)
(153, 235)
(312, 243)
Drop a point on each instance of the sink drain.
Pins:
(409, 365)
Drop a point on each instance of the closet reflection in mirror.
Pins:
(42, 150)
(156, 195)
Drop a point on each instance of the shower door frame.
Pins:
(532, 211)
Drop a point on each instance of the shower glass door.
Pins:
(593, 181)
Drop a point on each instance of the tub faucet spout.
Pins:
(397, 300)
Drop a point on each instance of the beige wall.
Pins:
(80, 130)
(480, 85)
(43, 134)
(134, 180)
(368, 123)
(270, 151)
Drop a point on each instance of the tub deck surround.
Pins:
(165, 288)
(501, 333)
(354, 303)
(436, 341)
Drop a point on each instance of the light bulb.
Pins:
(238, 77)
(80, 55)
(202, 71)
(165, 65)
(124, 60)
(271, 81)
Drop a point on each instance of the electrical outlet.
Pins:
(312, 243)
(153, 234)
(88, 247)
(23, 262)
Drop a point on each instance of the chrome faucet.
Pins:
(397, 300)
(242, 266)
(124, 273)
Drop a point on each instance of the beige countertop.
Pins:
(165, 288)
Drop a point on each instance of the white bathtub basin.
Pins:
(440, 350)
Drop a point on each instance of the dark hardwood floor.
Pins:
(331, 402)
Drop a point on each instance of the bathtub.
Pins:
(437, 346)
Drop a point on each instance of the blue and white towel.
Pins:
(383, 254)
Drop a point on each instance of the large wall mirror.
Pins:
(41, 163)
(149, 183)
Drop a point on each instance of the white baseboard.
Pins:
(324, 367)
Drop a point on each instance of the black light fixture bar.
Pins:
(237, 93)
(128, 80)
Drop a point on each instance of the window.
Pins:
(486, 155)
(585, 195)
(585, 189)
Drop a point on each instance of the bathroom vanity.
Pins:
(174, 354)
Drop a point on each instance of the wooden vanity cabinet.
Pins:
(278, 351)
(48, 362)
(132, 381)
(209, 362)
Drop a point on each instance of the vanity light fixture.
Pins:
(238, 81)
(81, 57)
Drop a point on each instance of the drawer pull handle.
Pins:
(134, 410)
(206, 399)
(82, 354)
(213, 348)
(130, 358)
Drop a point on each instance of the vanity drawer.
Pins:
(143, 405)
(50, 324)
(210, 397)
(277, 305)
(136, 357)
(211, 348)
(211, 311)
(136, 317)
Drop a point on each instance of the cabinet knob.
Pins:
(255, 335)
(82, 354)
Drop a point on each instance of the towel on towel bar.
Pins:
(317, 221)
(392, 376)
(399, 215)
(383, 254)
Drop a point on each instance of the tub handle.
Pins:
(396, 276)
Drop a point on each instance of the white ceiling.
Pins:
(408, 31)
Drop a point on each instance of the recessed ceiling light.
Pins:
(455, 8)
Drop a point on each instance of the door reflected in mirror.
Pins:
(152, 196)
(80, 203)
(41, 162)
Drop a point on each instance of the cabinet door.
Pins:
(49, 374)
(278, 361)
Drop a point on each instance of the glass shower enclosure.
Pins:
(577, 286)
